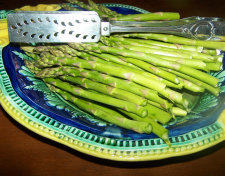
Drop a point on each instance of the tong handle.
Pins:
(194, 27)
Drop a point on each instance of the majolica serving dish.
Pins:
(30, 102)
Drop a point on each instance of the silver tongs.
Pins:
(86, 26)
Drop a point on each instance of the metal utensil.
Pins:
(86, 26)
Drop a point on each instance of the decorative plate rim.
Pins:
(104, 147)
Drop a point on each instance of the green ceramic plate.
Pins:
(46, 114)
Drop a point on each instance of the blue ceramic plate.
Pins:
(37, 96)
(35, 93)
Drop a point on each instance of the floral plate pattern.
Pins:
(30, 102)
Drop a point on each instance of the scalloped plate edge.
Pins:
(112, 154)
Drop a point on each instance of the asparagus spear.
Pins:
(172, 52)
(157, 129)
(80, 4)
(179, 40)
(194, 63)
(77, 91)
(33, 55)
(214, 90)
(145, 47)
(135, 67)
(122, 73)
(157, 114)
(178, 111)
(158, 74)
(108, 90)
(175, 111)
(105, 68)
(104, 10)
(163, 44)
(90, 55)
(31, 66)
(92, 7)
(104, 113)
(67, 49)
(110, 13)
(28, 49)
(152, 69)
(212, 52)
(191, 86)
(112, 58)
(148, 16)
(105, 79)
(151, 59)
(72, 52)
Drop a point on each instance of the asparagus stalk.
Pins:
(153, 72)
(77, 91)
(158, 114)
(136, 68)
(105, 89)
(28, 49)
(58, 53)
(33, 55)
(179, 40)
(91, 6)
(214, 90)
(172, 52)
(148, 16)
(104, 10)
(39, 49)
(151, 59)
(107, 57)
(105, 79)
(122, 73)
(80, 4)
(182, 83)
(149, 48)
(175, 111)
(104, 113)
(105, 68)
(112, 58)
(194, 63)
(178, 111)
(212, 52)
(214, 66)
(152, 69)
(31, 66)
(164, 44)
(110, 13)
(157, 129)
(191, 86)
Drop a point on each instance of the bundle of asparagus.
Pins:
(136, 81)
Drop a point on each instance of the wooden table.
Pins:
(23, 152)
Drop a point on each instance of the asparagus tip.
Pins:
(148, 129)
(144, 113)
(165, 138)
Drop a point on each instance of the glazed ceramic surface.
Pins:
(29, 101)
